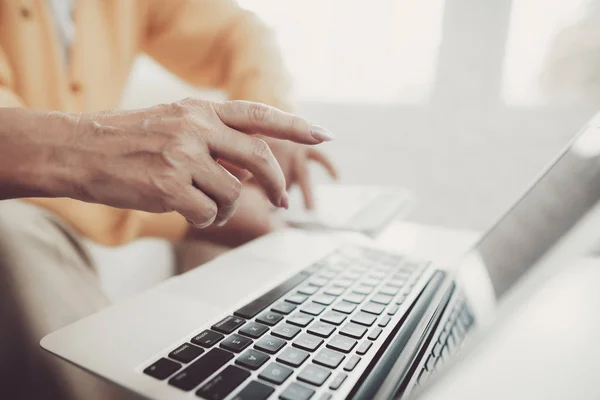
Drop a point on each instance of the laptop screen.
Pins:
(558, 199)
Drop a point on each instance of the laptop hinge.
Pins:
(388, 373)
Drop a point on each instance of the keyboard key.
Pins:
(344, 307)
(378, 274)
(314, 375)
(351, 364)
(333, 317)
(429, 363)
(313, 308)
(296, 298)
(337, 381)
(253, 308)
(353, 275)
(270, 318)
(325, 396)
(255, 391)
(162, 369)
(384, 321)
(370, 282)
(292, 357)
(321, 329)
(364, 347)
(437, 349)
(363, 318)
(308, 342)
(207, 338)
(285, 331)
(460, 331)
(373, 308)
(235, 343)
(341, 343)
(275, 373)
(397, 283)
(329, 358)
(344, 283)
(198, 371)
(270, 344)
(252, 359)
(375, 332)
(186, 353)
(334, 290)
(353, 330)
(393, 309)
(300, 319)
(451, 340)
(308, 290)
(389, 290)
(284, 308)
(382, 299)
(224, 383)
(362, 289)
(296, 391)
(228, 325)
(320, 281)
(253, 330)
(324, 299)
(355, 298)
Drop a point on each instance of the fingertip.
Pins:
(221, 223)
(321, 133)
(285, 201)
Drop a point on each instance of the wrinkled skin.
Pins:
(187, 156)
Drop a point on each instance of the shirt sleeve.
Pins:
(218, 44)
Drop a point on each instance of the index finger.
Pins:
(249, 117)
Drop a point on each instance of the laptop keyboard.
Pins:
(321, 322)
(449, 341)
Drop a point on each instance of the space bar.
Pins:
(251, 309)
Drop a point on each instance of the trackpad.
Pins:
(229, 282)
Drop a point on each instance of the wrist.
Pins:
(32, 163)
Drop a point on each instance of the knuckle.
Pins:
(261, 152)
(297, 124)
(259, 112)
(177, 109)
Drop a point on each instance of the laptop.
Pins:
(359, 208)
(313, 315)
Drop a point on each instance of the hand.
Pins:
(254, 217)
(293, 159)
(160, 159)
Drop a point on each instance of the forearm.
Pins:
(31, 161)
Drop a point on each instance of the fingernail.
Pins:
(285, 202)
(321, 133)
(199, 226)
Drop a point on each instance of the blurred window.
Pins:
(533, 26)
(357, 51)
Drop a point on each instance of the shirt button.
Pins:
(75, 87)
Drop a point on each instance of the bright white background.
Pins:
(439, 96)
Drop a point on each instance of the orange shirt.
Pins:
(210, 43)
